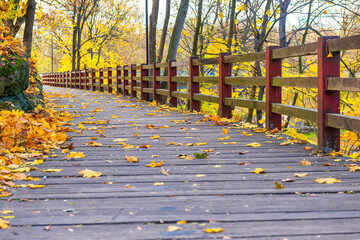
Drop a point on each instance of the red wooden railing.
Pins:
(329, 84)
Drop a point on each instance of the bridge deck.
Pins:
(225, 194)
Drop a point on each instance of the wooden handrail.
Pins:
(134, 79)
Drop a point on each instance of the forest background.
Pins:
(77, 34)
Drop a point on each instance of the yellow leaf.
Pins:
(305, 162)
(200, 144)
(94, 144)
(354, 168)
(308, 148)
(261, 121)
(144, 146)
(173, 228)
(327, 180)
(258, 170)
(4, 224)
(225, 143)
(65, 151)
(135, 135)
(93, 138)
(225, 131)
(278, 185)
(120, 140)
(213, 230)
(156, 136)
(34, 186)
(87, 173)
(155, 156)
(131, 159)
(200, 175)
(151, 114)
(23, 169)
(224, 138)
(154, 164)
(6, 211)
(301, 175)
(52, 170)
(158, 184)
(254, 144)
(76, 155)
(181, 222)
(128, 146)
(221, 15)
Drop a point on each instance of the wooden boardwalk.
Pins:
(208, 193)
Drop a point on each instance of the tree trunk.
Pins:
(197, 29)
(152, 31)
(284, 4)
(164, 31)
(178, 26)
(78, 41)
(74, 36)
(29, 25)
(231, 27)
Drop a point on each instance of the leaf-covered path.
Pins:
(132, 201)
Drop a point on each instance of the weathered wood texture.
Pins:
(123, 203)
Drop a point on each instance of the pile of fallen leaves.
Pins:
(26, 140)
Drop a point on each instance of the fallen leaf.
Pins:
(226, 143)
(213, 230)
(65, 151)
(6, 211)
(120, 140)
(155, 156)
(308, 148)
(144, 146)
(173, 228)
(254, 144)
(34, 186)
(158, 184)
(258, 170)
(224, 138)
(128, 146)
(47, 228)
(278, 185)
(94, 144)
(76, 155)
(225, 131)
(4, 224)
(327, 180)
(52, 170)
(328, 164)
(301, 175)
(181, 222)
(136, 134)
(354, 168)
(305, 162)
(131, 159)
(200, 175)
(156, 136)
(87, 173)
(23, 169)
(154, 164)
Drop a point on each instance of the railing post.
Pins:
(81, 79)
(92, 79)
(101, 80)
(109, 80)
(143, 84)
(125, 81)
(62, 79)
(224, 90)
(172, 71)
(328, 101)
(132, 80)
(194, 87)
(86, 79)
(67, 79)
(156, 84)
(273, 94)
(118, 80)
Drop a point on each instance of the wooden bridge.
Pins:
(208, 169)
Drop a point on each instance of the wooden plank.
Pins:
(181, 94)
(201, 79)
(148, 90)
(127, 77)
(245, 103)
(180, 79)
(162, 92)
(206, 98)
(341, 121)
(205, 61)
(148, 78)
(162, 78)
(294, 111)
(346, 43)
(245, 81)
(180, 64)
(136, 78)
(149, 66)
(299, 82)
(136, 89)
(135, 67)
(343, 84)
(128, 87)
(296, 51)
(249, 57)
(161, 65)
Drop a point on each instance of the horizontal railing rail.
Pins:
(134, 80)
